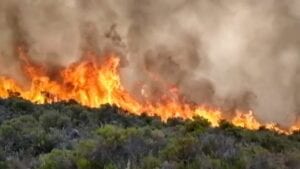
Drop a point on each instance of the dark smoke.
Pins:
(236, 54)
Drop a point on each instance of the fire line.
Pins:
(92, 83)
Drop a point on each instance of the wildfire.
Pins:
(93, 83)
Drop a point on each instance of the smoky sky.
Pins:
(236, 54)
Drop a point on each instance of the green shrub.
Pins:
(3, 164)
(57, 159)
(83, 163)
(181, 149)
(198, 124)
(150, 162)
(54, 119)
(114, 134)
(20, 133)
(110, 166)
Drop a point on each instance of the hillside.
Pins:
(67, 135)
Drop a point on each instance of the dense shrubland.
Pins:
(69, 136)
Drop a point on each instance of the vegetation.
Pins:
(69, 136)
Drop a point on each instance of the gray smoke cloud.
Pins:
(237, 54)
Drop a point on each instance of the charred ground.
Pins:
(67, 135)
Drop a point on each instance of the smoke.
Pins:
(236, 54)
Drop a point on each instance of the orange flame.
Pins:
(92, 83)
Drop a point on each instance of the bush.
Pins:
(198, 124)
(57, 159)
(181, 149)
(3, 164)
(114, 134)
(150, 162)
(110, 166)
(54, 119)
(20, 133)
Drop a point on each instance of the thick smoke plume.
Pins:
(237, 54)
